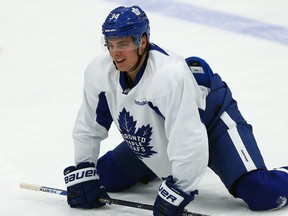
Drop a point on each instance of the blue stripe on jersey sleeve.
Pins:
(103, 115)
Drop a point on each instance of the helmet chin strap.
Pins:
(140, 56)
(115, 65)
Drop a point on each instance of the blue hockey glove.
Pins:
(83, 186)
(171, 200)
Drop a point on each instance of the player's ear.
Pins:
(143, 42)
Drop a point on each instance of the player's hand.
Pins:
(83, 186)
(171, 200)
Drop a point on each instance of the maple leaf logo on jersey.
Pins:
(138, 141)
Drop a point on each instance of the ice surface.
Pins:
(45, 46)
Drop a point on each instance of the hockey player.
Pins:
(171, 118)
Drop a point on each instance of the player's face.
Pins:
(123, 51)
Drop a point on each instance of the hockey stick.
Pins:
(104, 200)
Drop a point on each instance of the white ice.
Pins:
(45, 46)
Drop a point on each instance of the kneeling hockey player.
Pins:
(175, 121)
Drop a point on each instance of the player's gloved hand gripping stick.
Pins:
(171, 200)
(83, 186)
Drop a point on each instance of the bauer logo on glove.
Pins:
(169, 195)
(79, 176)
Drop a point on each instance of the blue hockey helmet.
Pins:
(126, 21)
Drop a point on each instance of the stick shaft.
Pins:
(104, 200)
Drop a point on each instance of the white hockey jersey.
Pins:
(158, 117)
